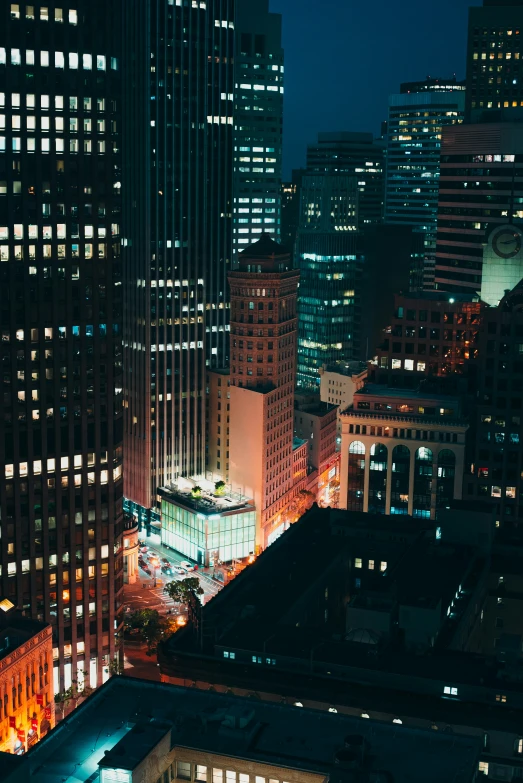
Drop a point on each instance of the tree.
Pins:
(151, 626)
(182, 590)
(219, 488)
(196, 492)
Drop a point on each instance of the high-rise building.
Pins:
(416, 117)
(359, 155)
(290, 209)
(496, 458)
(494, 88)
(480, 210)
(178, 243)
(60, 314)
(258, 123)
(331, 267)
(262, 380)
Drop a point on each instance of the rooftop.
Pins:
(440, 296)
(208, 502)
(298, 442)
(124, 718)
(378, 390)
(346, 368)
(15, 628)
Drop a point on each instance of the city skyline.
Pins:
(313, 102)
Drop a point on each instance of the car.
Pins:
(166, 569)
(165, 562)
(188, 566)
(144, 549)
(179, 570)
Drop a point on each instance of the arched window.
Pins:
(356, 476)
(446, 474)
(399, 496)
(251, 305)
(377, 478)
(422, 482)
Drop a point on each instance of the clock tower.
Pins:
(502, 262)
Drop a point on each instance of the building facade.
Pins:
(480, 209)
(61, 317)
(416, 118)
(258, 123)
(26, 680)
(357, 155)
(494, 90)
(178, 172)
(218, 420)
(401, 452)
(262, 377)
(494, 470)
(430, 334)
(331, 265)
(130, 551)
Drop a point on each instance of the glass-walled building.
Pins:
(416, 117)
(331, 268)
(60, 318)
(208, 528)
(258, 123)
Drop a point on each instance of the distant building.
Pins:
(474, 230)
(290, 210)
(402, 452)
(416, 117)
(215, 737)
(258, 123)
(358, 155)
(26, 680)
(494, 91)
(338, 383)
(430, 333)
(262, 380)
(331, 267)
(496, 458)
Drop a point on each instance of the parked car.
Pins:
(179, 570)
(188, 566)
(165, 562)
(144, 549)
(166, 569)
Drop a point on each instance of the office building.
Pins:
(416, 118)
(262, 380)
(26, 680)
(331, 266)
(290, 209)
(130, 550)
(206, 737)
(480, 210)
(399, 651)
(496, 461)
(316, 422)
(60, 314)
(430, 334)
(494, 89)
(402, 452)
(258, 123)
(178, 245)
(218, 420)
(338, 383)
(358, 155)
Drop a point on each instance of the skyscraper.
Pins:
(331, 269)
(416, 117)
(262, 380)
(359, 155)
(258, 122)
(494, 87)
(480, 211)
(60, 314)
(178, 243)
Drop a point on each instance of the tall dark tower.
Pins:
(178, 242)
(60, 313)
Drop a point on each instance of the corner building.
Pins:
(178, 171)
(60, 314)
(262, 378)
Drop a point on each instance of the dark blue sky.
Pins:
(344, 57)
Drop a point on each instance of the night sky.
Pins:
(344, 57)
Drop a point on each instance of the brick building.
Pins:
(431, 333)
(262, 380)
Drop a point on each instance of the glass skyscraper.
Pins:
(60, 317)
(331, 269)
(258, 123)
(416, 117)
(178, 239)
